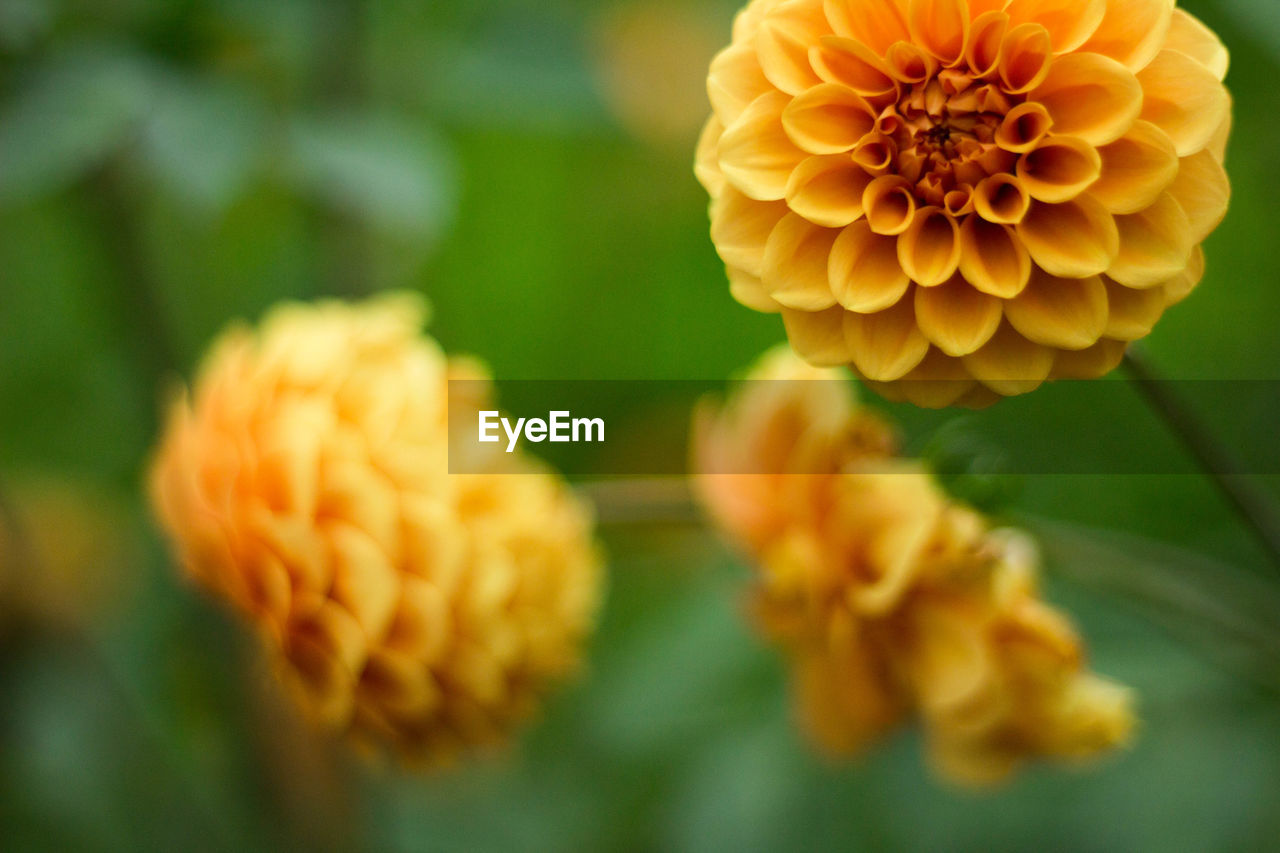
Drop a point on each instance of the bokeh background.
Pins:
(169, 165)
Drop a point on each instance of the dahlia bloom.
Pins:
(305, 481)
(960, 199)
(892, 601)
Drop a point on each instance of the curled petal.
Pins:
(910, 63)
(878, 25)
(853, 64)
(1132, 31)
(1066, 313)
(986, 36)
(1075, 239)
(1136, 169)
(1187, 34)
(1132, 313)
(783, 40)
(1155, 244)
(1071, 22)
(1184, 99)
(940, 27)
(864, 270)
(1002, 199)
(1025, 58)
(1091, 363)
(740, 226)
(1024, 127)
(707, 162)
(938, 381)
(993, 259)
(890, 205)
(957, 318)
(875, 154)
(828, 190)
(818, 336)
(1010, 364)
(795, 264)
(1180, 286)
(756, 155)
(828, 119)
(1059, 169)
(1203, 191)
(929, 250)
(888, 344)
(734, 81)
(750, 291)
(1090, 96)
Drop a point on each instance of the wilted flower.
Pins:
(306, 482)
(960, 199)
(892, 600)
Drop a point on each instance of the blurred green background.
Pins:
(168, 165)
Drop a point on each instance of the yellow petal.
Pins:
(1075, 239)
(876, 154)
(828, 190)
(993, 259)
(929, 250)
(937, 382)
(1218, 142)
(1002, 199)
(707, 162)
(795, 264)
(1025, 58)
(864, 270)
(1203, 191)
(1132, 31)
(1136, 169)
(750, 291)
(986, 36)
(1180, 286)
(940, 27)
(910, 63)
(740, 227)
(1010, 364)
(890, 205)
(1070, 22)
(1023, 128)
(956, 318)
(1092, 363)
(756, 155)
(878, 24)
(853, 64)
(888, 344)
(818, 336)
(1155, 244)
(1132, 313)
(1067, 313)
(783, 40)
(734, 81)
(1090, 96)
(1059, 169)
(1189, 35)
(828, 119)
(1184, 99)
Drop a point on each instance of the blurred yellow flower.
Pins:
(888, 598)
(960, 199)
(305, 480)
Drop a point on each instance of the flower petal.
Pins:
(1132, 313)
(1132, 31)
(956, 318)
(986, 36)
(1059, 169)
(1136, 169)
(1180, 286)
(1203, 192)
(937, 382)
(828, 190)
(707, 162)
(940, 27)
(1090, 96)
(1002, 199)
(1071, 22)
(888, 344)
(1218, 142)
(890, 205)
(828, 119)
(864, 270)
(1184, 99)
(1010, 364)
(1066, 313)
(929, 250)
(818, 336)
(795, 264)
(1076, 239)
(993, 259)
(734, 81)
(786, 33)
(750, 291)
(852, 63)
(1025, 58)
(1023, 128)
(877, 24)
(756, 155)
(1091, 363)
(1189, 35)
(1155, 244)
(740, 227)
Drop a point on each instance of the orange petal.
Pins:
(1091, 363)
(707, 161)
(1155, 244)
(1002, 199)
(937, 382)
(993, 259)
(1132, 313)
(986, 36)
(740, 227)
(1059, 169)
(1136, 169)
(828, 190)
(1075, 239)
(888, 344)
(750, 291)
(910, 63)
(1132, 31)
(1180, 286)
(1066, 313)
(1025, 58)
(1010, 364)
(1184, 99)
(929, 250)
(876, 24)
(1023, 128)
(955, 317)
(1187, 34)
(852, 63)
(940, 27)
(818, 336)
(875, 154)
(1071, 22)
(734, 81)
(828, 119)
(1203, 191)
(1218, 142)
(783, 40)
(795, 264)
(890, 205)
(756, 155)
(864, 270)
(1090, 96)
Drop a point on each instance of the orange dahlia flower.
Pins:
(889, 599)
(960, 199)
(305, 481)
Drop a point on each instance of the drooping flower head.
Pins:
(306, 481)
(963, 198)
(889, 599)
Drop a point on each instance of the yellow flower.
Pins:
(960, 199)
(306, 482)
(891, 600)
